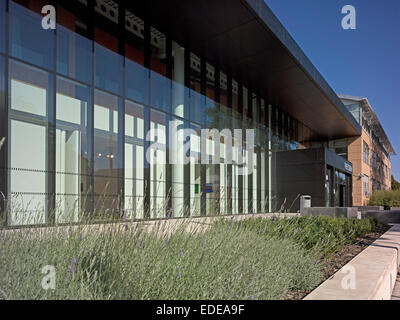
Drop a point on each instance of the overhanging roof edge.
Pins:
(265, 14)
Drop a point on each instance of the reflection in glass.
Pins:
(106, 154)
(28, 40)
(157, 159)
(195, 172)
(109, 70)
(160, 91)
(29, 102)
(137, 76)
(180, 93)
(134, 157)
(160, 85)
(74, 55)
(225, 144)
(2, 25)
(72, 150)
(197, 100)
(137, 82)
(177, 144)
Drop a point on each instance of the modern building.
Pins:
(370, 153)
(82, 105)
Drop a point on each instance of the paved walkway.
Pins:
(396, 290)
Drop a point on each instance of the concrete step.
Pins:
(371, 275)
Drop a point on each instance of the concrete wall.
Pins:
(371, 275)
(332, 212)
(300, 172)
(370, 208)
(385, 216)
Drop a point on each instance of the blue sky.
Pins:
(363, 62)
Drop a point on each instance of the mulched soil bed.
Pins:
(338, 260)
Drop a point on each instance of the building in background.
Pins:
(77, 104)
(370, 153)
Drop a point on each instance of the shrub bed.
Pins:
(385, 198)
(252, 259)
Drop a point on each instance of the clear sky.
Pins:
(364, 62)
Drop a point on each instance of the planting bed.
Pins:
(338, 260)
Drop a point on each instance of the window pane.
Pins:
(137, 76)
(28, 173)
(134, 159)
(160, 84)
(195, 172)
(180, 94)
(109, 70)
(72, 150)
(197, 100)
(137, 82)
(36, 45)
(106, 154)
(74, 55)
(29, 102)
(28, 98)
(2, 24)
(160, 91)
(177, 144)
(158, 123)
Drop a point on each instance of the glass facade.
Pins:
(110, 122)
(2, 25)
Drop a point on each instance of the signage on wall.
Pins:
(348, 167)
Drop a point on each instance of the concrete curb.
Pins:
(371, 275)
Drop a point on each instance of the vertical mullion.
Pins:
(51, 138)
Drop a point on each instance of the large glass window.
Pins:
(72, 150)
(195, 171)
(134, 159)
(160, 90)
(225, 169)
(157, 160)
(177, 144)
(180, 93)
(236, 162)
(74, 55)
(197, 100)
(137, 76)
(28, 40)
(355, 110)
(109, 70)
(137, 82)
(373, 160)
(2, 24)
(107, 170)
(245, 190)
(366, 186)
(30, 100)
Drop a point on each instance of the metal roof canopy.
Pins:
(245, 38)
